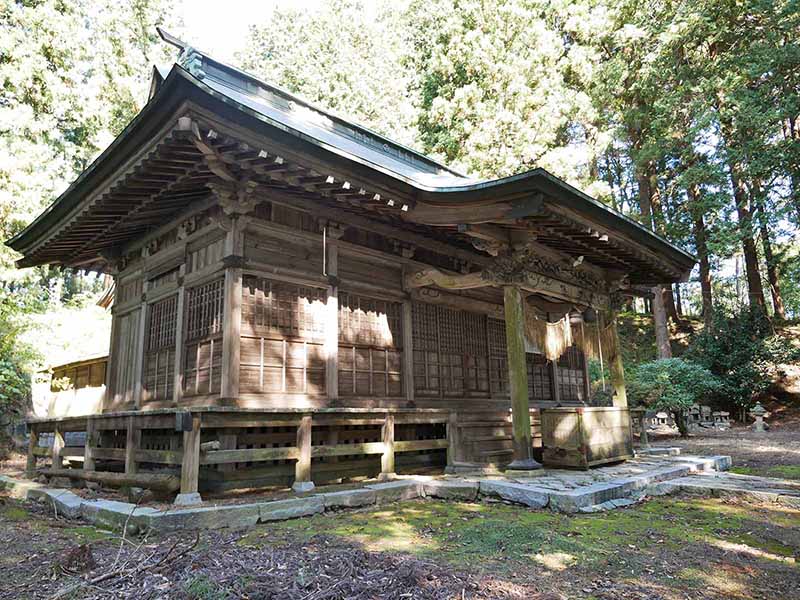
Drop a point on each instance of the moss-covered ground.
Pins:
(671, 547)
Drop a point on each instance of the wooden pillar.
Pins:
(133, 440)
(408, 351)
(180, 320)
(232, 307)
(33, 443)
(302, 469)
(332, 233)
(190, 464)
(138, 360)
(453, 450)
(620, 397)
(518, 380)
(58, 446)
(387, 458)
(89, 445)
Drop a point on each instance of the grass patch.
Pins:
(14, 513)
(777, 471)
(204, 588)
(87, 534)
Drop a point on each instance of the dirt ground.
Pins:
(775, 453)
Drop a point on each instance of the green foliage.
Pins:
(671, 384)
(743, 351)
(16, 358)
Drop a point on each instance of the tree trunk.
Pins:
(680, 421)
(773, 264)
(658, 225)
(647, 192)
(663, 348)
(792, 132)
(755, 291)
(701, 246)
(678, 301)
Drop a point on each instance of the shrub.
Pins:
(744, 353)
(672, 385)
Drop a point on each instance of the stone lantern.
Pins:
(758, 412)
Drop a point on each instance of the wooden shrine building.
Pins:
(300, 299)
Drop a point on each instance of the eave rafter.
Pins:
(150, 189)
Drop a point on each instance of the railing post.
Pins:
(58, 446)
(190, 464)
(302, 469)
(387, 458)
(89, 445)
(133, 440)
(33, 443)
(452, 439)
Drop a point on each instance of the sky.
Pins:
(220, 28)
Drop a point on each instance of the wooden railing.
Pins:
(217, 439)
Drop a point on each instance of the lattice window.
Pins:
(540, 380)
(370, 347)
(204, 305)
(451, 352)
(571, 375)
(204, 314)
(498, 357)
(159, 361)
(286, 309)
(283, 330)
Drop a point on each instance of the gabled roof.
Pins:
(151, 171)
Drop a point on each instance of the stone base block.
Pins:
(281, 510)
(349, 498)
(451, 490)
(514, 492)
(396, 491)
(190, 499)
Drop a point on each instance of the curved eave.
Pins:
(144, 125)
(180, 86)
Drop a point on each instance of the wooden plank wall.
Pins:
(395, 349)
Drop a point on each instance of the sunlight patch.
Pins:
(755, 552)
(555, 561)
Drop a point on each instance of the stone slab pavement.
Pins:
(599, 489)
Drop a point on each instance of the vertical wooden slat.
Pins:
(302, 472)
(180, 323)
(133, 440)
(33, 443)
(556, 381)
(89, 445)
(453, 441)
(387, 458)
(58, 446)
(261, 364)
(190, 464)
(139, 349)
(332, 316)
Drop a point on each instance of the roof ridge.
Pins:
(188, 59)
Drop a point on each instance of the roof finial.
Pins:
(171, 39)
